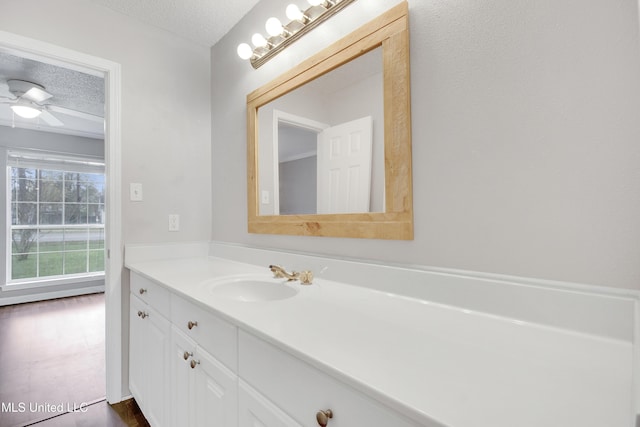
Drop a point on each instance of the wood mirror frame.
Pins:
(391, 31)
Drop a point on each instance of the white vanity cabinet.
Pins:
(191, 368)
(181, 360)
(277, 389)
(149, 347)
(204, 391)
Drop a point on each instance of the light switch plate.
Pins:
(135, 192)
(174, 222)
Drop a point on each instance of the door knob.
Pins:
(322, 417)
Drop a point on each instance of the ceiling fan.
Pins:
(28, 99)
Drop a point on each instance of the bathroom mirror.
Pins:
(283, 114)
(321, 146)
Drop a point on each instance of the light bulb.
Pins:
(274, 26)
(26, 111)
(294, 13)
(245, 51)
(315, 2)
(258, 40)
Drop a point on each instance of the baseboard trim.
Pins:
(42, 296)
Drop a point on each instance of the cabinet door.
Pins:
(137, 350)
(158, 344)
(256, 411)
(181, 379)
(149, 346)
(216, 392)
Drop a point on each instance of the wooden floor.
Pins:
(52, 366)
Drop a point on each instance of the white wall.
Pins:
(165, 109)
(166, 133)
(526, 136)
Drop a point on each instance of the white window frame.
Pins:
(49, 161)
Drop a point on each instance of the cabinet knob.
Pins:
(323, 417)
(142, 314)
(186, 355)
(191, 324)
(194, 363)
(142, 291)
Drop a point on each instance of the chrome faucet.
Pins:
(305, 277)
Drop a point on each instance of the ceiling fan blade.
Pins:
(75, 113)
(50, 119)
(36, 95)
(5, 92)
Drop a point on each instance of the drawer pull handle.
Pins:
(191, 324)
(142, 314)
(186, 355)
(194, 363)
(323, 417)
(142, 291)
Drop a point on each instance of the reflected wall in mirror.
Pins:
(321, 146)
(329, 142)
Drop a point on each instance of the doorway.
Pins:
(110, 71)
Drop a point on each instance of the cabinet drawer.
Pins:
(152, 293)
(301, 390)
(256, 410)
(210, 332)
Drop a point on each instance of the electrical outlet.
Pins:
(174, 222)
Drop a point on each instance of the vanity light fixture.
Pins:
(281, 36)
(26, 109)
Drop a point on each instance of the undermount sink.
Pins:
(252, 289)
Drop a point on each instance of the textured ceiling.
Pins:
(201, 21)
(71, 89)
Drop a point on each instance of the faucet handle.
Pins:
(306, 277)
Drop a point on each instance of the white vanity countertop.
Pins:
(439, 365)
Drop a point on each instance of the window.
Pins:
(57, 217)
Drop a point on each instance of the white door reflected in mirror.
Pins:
(322, 169)
(344, 167)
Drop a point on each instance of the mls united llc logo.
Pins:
(50, 408)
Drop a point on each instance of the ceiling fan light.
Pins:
(26, 111)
